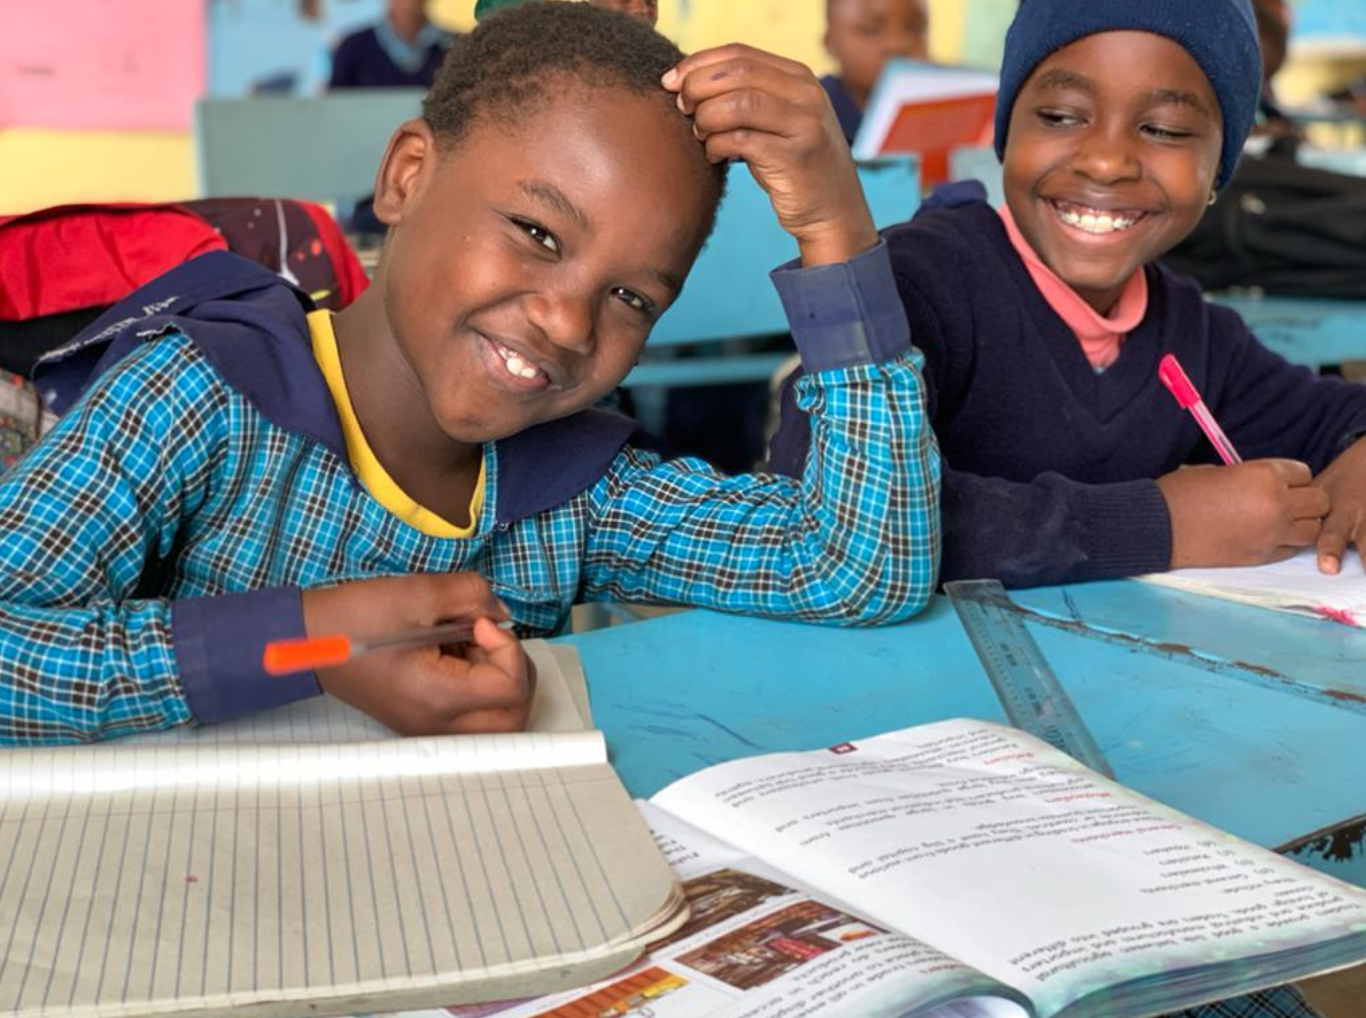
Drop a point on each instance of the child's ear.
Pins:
(408, 162)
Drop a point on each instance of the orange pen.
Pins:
(284, 657)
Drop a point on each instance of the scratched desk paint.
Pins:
(1257, 731)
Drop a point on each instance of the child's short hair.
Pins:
(518, 55)
(1220, 35)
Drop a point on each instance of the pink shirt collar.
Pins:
(1101, 336)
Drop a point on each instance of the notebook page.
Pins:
(1295, 585)
(561, 705)
(327, 874)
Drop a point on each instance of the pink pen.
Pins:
(1175, 379)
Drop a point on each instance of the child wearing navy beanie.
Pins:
(1221, 36)
(1043, 322)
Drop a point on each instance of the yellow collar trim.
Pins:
(363, 460)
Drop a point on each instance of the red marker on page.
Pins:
(1175, 379)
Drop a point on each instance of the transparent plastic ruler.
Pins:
(1033, 698)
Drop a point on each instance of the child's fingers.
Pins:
(1291, 472)
(1332, 545)
(746, 75)
(758, 148)
(1303, 533)
(468, 685)
(1308, 503)
(1339, 531)
(751, 109)
(466, 595)
(674, 79)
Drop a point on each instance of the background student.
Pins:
(861, 36)
(1043, 324)
(401, 50)
(646, 10)
(239, 471)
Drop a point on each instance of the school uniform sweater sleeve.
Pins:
(853, 539)
(1270, 407)
(85, 519)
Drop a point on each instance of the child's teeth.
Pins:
(516, 365)
(1094, 222)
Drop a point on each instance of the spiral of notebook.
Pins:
(1295, 585)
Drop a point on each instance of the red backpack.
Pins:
(61, 267)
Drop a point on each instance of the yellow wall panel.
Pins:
(43, 168)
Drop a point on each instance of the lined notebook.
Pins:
(340, 872)
(1295, 585)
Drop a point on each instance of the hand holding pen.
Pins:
(1240, 514)
(425, 685)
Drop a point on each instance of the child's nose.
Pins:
(1106, 156)
(565, 319)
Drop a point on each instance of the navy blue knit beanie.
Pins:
(1221, 35)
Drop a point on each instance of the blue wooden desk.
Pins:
(1251, 720)
(1305, 330)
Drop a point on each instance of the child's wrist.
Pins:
(836, 242)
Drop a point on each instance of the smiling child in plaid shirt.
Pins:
(239, 469)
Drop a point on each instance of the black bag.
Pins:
(1282, 228)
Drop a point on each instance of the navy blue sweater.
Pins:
(1049, 467)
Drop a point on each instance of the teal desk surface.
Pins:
(1304, 330)
(1249, 719)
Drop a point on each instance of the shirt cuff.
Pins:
(847, 314)
(218, 645)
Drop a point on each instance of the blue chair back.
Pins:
(325, 148)
(728, 294)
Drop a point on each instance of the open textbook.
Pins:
(928, 109)
(307, 862)
(1295, 585)
(957, 870)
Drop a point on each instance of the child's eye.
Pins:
(634, 300)
(1058, 118)
(1166, 133)
(539, 234)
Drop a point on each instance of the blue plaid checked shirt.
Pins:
(165, 528)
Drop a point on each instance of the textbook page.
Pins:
(760, 946)
(1295, 585)
(561, 705)
(275, 880)
(1012, 857)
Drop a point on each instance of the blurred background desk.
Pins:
(1314, 331)
(1248, 719)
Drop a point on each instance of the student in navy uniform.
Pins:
(861, 36)
(402, 50)
(1043, 322)
(241, 468)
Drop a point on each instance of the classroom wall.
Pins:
(247, 39)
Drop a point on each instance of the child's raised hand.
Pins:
(1345, 482)
(774, 114)
(486, 687)
(1242, 515)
